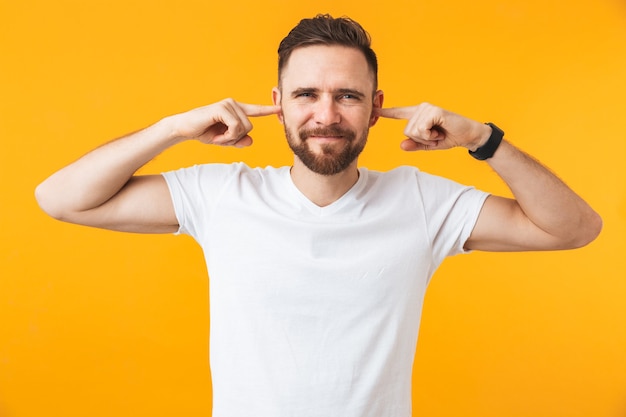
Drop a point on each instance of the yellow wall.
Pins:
(96, 323)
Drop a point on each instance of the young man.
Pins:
(318, 271)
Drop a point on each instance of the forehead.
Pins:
(327, 66)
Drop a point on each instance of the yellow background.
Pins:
(96, 323)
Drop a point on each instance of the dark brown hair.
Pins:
(324, 29)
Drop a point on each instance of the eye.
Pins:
(303, 93)
(350, 97)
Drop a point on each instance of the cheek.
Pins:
(294, 116)
(360, 119)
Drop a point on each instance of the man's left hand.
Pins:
(432, 128)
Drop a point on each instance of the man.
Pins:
(318, 271)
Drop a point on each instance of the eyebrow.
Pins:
(337, 91)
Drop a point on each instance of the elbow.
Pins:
(596, 228)
(48, 201)
(588, 230)
(43, 200)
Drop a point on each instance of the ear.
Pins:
(276, 99)
(377, 103)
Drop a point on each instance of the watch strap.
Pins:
(489, 148)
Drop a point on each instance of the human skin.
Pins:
(338, 90)
(320, 86)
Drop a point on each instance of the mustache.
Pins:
(349, 135)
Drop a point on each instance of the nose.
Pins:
(326, 111)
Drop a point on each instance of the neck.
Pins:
(323, 190)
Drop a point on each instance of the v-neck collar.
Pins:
(336, 205)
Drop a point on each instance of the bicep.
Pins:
(143, 205)
(502, 226)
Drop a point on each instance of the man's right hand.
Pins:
(223, 123)
(101, 188)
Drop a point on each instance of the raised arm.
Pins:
(100, 189)
(545, 213)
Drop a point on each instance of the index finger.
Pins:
(396, 112)
(256, 110)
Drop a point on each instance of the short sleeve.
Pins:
(195, 191)
(451, 210)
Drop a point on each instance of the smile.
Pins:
(327, 134)
(325, 137)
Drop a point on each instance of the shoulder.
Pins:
(222, 170)
(425, 181)
(210, 178)
(397, 174)
(414, 183)
(402, 176)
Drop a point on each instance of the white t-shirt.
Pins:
(315, 310)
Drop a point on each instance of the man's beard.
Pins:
(333, 159)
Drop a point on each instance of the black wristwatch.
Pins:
(489, 148)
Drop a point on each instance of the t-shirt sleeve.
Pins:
(194, 192)
(451, 210)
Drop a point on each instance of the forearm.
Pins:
(544, 199)
(545, 213)
(99, 175)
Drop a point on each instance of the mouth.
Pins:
(327, 134)
(325, 137)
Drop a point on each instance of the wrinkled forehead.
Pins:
(316, 65)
